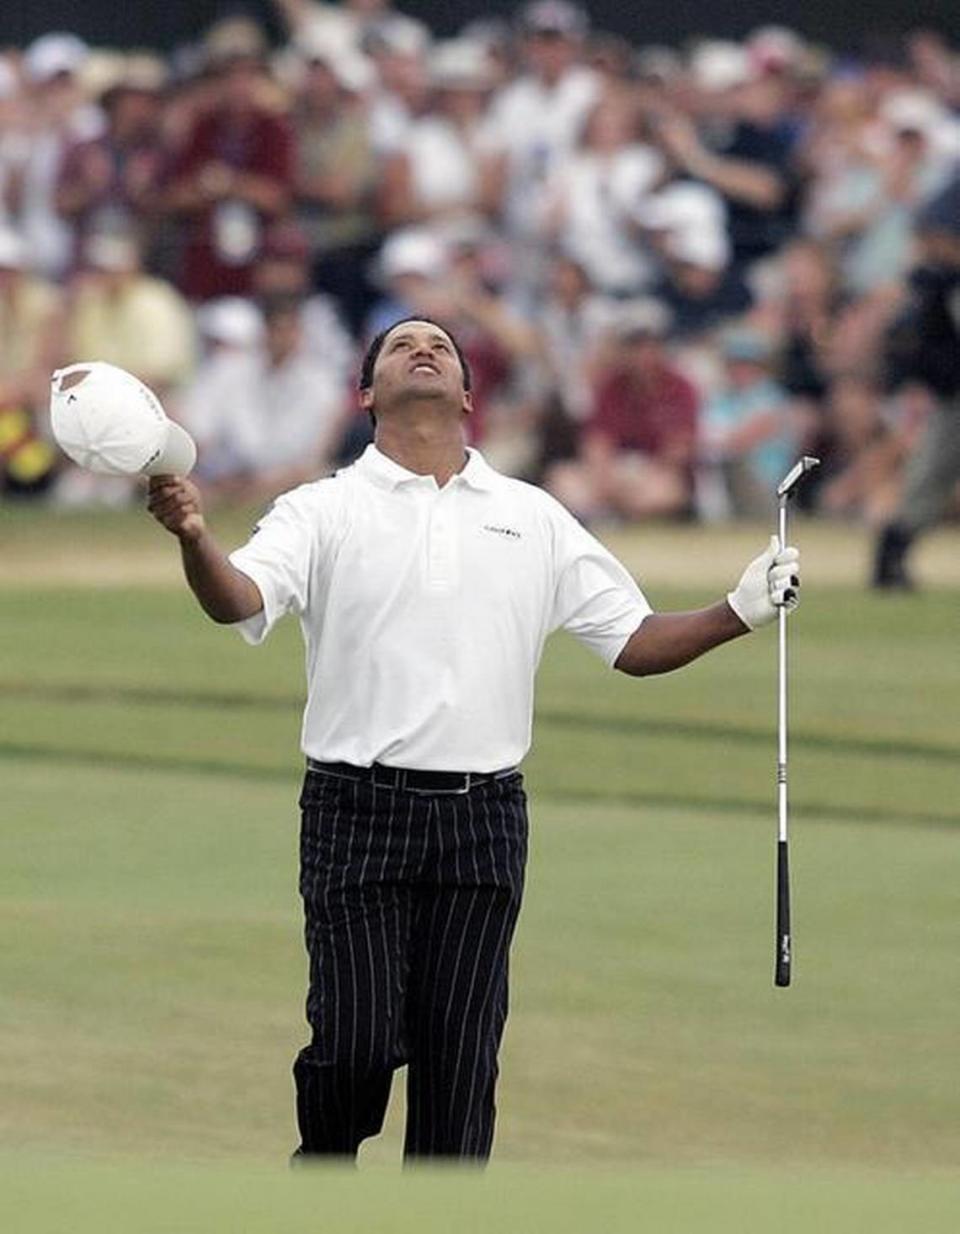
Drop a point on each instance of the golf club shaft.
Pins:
(783, 939)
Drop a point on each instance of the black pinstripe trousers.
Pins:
(410, 903)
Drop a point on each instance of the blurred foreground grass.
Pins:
(119, 1198)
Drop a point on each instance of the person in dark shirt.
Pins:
(234, 174)
(699, 285)
(923, 347)
(636, 451)
(744, 149)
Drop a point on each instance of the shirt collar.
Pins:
(382, 470)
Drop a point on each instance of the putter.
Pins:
(784, 941)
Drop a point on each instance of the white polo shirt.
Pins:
(425, 609)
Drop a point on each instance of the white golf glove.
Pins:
(769, 582)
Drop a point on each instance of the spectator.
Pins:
(336, 173)
(535, 122)
(923, 350)
(742, 147)
(871, 175)
(399, 47)
(800, 307)
(444, 281)
(234, 173)
(284, 270)
(128, 318)
(572, 322)
(13, 138)
(56, 117)
(699, 285)
(112, 182)
(590, 198)
(637, 448)
(343, 26)
(864, 446)
(30, 327)
(267, 418)
(31, 323)
(437, 169)
(748, 435)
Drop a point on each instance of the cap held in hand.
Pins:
(108, 421)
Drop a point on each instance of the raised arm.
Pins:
(665, 641)
(225, 593)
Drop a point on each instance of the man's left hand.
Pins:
(770, 582)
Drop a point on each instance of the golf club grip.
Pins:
(784, 940)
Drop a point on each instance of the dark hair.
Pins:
(376, 346)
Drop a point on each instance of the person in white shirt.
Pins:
(533, 125)
(268, 416)
(591, 196)
(426, 584)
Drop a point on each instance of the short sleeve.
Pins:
(596, 598)
(277, 557)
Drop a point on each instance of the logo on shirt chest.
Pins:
(499, 529)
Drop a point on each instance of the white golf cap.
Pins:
(108, 421)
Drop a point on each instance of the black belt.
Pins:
(408, 780)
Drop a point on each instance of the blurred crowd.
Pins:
(672, 269)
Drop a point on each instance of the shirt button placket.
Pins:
(441, 543)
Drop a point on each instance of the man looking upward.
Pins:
(426, 584)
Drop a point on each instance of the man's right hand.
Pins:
(175, 504)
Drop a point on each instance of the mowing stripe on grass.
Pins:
(879, 747)
(124, 760)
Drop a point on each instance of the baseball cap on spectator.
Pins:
(554, 17)
(353, 70)
(411, 250)
(682, 205)
(774, 49)
(110, 75)
(459, 64)
(719, 65)
(55, 55)
(490, 32)
(230, 320)
(13, 251)
(657, 64)
(398, 34)
(913, 111)
(706, 248)
(232, 39)
(644, 317)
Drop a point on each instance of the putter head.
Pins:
(795, 475)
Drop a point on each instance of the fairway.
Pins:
(652, 1078)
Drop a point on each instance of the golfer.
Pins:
(426, 584)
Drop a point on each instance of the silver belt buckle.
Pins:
(442, 792)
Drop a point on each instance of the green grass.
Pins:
(152, 972)
(118, 1198)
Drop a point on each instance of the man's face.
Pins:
(549, 53)
(417, 361)
(642, 354)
